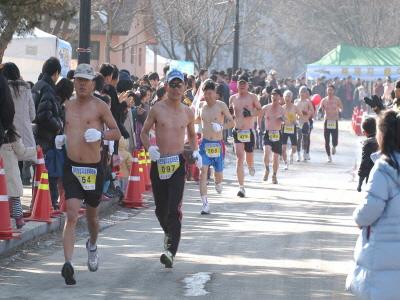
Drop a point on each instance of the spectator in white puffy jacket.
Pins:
(376, 274)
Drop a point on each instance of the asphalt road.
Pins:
(293, 240)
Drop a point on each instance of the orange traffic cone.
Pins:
(6, 232)
(42, 208)
(133, 196)
(147, 183)
(39, 167)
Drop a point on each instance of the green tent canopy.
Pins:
(361, 62)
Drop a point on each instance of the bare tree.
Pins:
(193, 30)
(23, 15)
(311, 28)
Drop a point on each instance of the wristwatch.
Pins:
(102, 135)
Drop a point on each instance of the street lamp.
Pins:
(236, 40)
(84, 32)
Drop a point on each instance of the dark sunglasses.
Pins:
(175, 84)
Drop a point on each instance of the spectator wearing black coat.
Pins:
(7, 110)
(48, 108)
(49, 123)
(370, 146)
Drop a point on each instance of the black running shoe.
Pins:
(241, 193)
(68, 273)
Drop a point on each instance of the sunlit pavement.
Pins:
(293, 240)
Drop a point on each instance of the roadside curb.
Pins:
(34, 230)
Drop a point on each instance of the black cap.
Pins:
(276, 91)
(243, 77)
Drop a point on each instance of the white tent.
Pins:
(29, 52)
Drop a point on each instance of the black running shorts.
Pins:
(83, 181)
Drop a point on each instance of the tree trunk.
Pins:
(109, 32)
(6, 36)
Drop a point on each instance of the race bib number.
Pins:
(213, 150)
(331, 124)
(167, 166)
(288, 129)
(86, 176)
(274, 135)
(244, 136)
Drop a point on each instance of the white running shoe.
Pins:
(167, 259)
(206, 209)
(329, 159)
(286, 167)
(218, 188)
(93, 258)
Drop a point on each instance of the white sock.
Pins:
(204, 200)
(241, 187)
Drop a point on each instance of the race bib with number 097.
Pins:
(274, 135)
(331, 124)
(86, 176)
(288, 129)
(244, 136)
(213, 150)
(167, 166)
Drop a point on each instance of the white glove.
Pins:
(199, 161)
(60, 141)
(92, 135)
(217, 127)
(154, 153)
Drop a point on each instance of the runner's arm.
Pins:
(340, 105)
(260, 117)
(231, 110)
(148, 124)
(112, 133)
(197, 119)
(257, 106)
(191, 133)
(229, 123)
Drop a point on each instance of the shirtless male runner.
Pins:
(172, 119)
(85, 117)
(289, 128)
(245, 107)
(306, 109)
(332, 106)
(273, 114)
(212, 114)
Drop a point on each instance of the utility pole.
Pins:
(84, 32)
(236, 40)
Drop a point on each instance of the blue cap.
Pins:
(173, 74)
